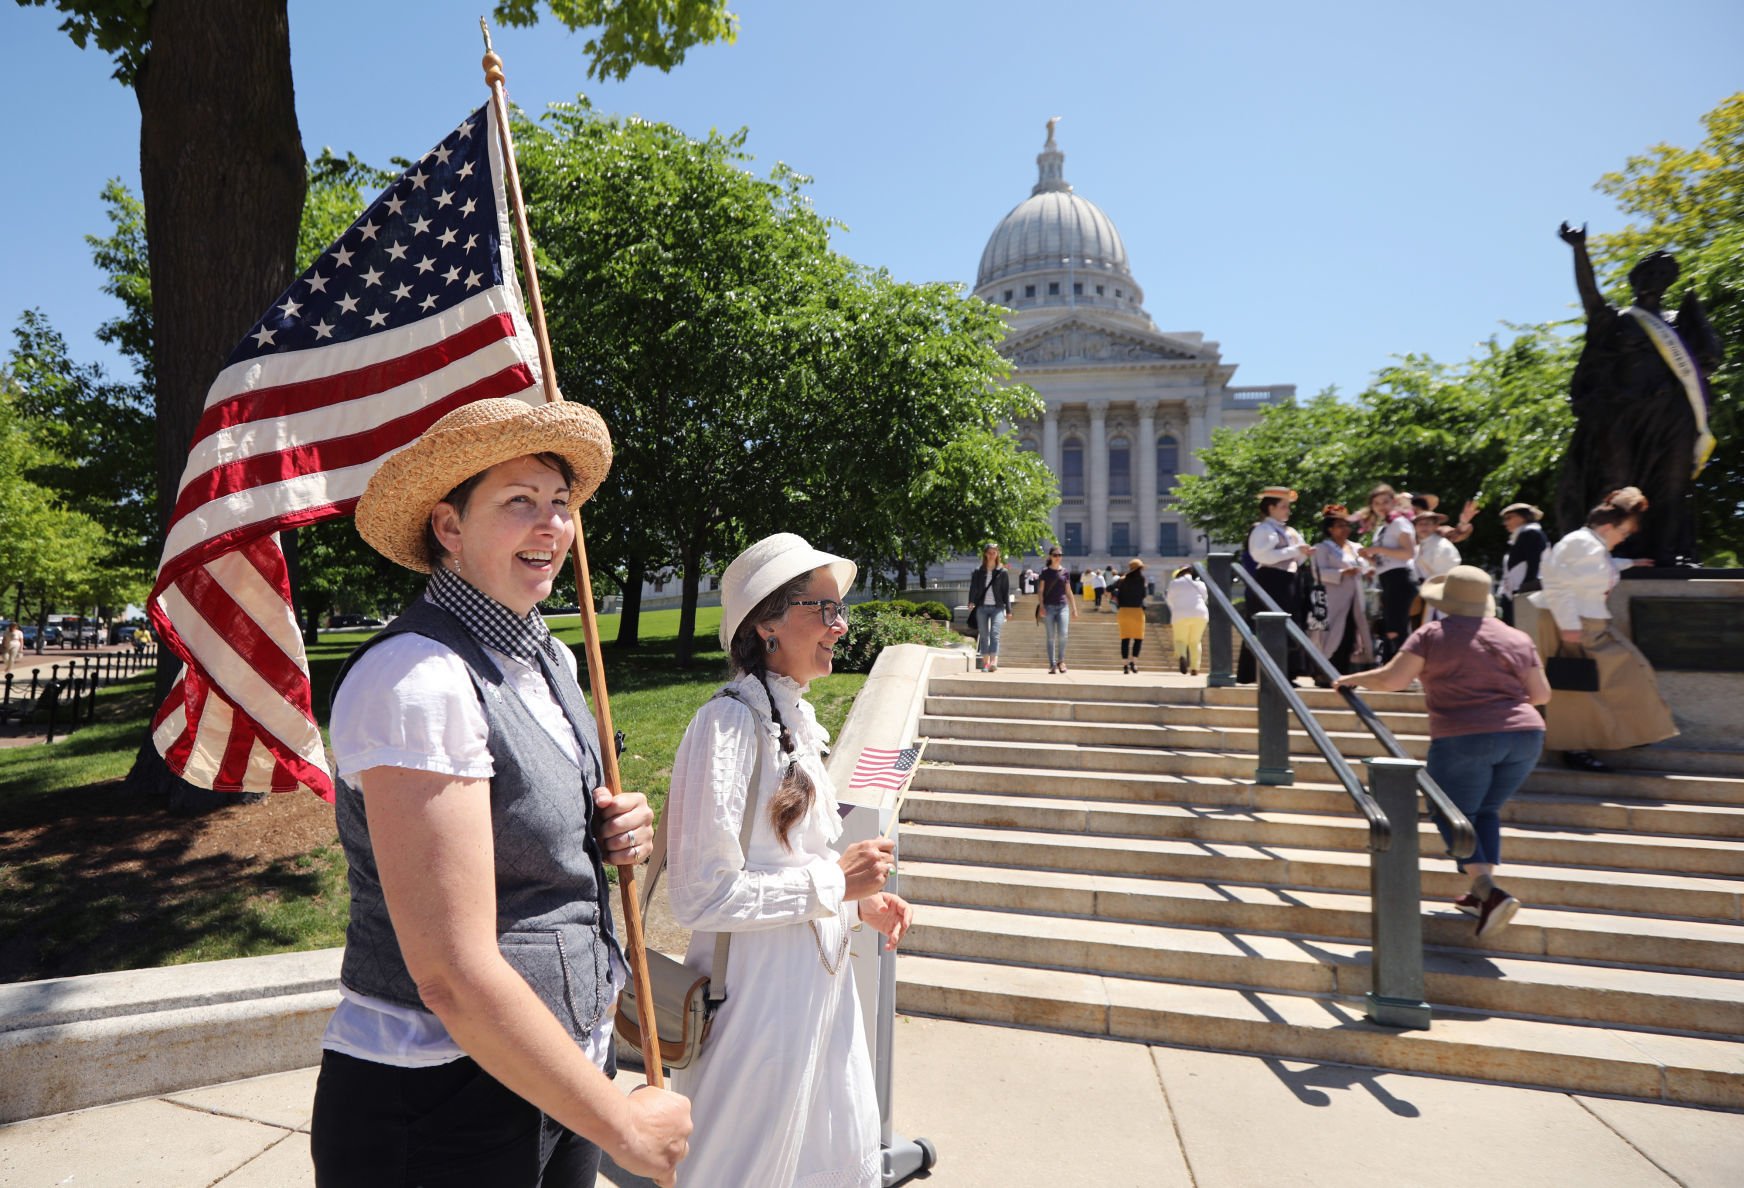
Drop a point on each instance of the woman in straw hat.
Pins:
(1129, 597)
(1345, 639)
(783, 1092)
(473, 1040)
(1527, 545)
(1392, 547)
(1481, 679)
(1626, 710)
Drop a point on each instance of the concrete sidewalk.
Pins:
(1012, 1108)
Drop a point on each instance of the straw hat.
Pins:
(1135, 563)
(1434, 517)
(1430, 502)
(763, 568)
(1463, 590)
(395, 509)
(1532, 514)
(1277, 493)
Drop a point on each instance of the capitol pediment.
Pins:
(1075, 342)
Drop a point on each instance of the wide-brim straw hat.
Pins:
(1430, 502)
(1462, 590)
(1434, 517)
(394, 512)
(1135, 563)
(1277, 493)
(765, 567)
(1531, 513)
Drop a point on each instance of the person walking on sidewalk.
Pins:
(1129, 596)
(1098, 586)
(1481, 681)
(1189, 614)
(1056, 606)
(989, 604)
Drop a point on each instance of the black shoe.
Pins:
(1183, 666)
(1584, 761)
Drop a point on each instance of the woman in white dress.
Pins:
(783, 1092)
(1437, 556)
(1345, 640)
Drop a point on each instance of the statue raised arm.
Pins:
(1592, 300)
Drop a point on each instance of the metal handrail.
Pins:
(1380, 829)
(1465, 840)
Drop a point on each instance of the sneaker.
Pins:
(1470, 904)
(1495, 912)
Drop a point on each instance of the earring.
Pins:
(771, 644)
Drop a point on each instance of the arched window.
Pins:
(1072, 469)
(1119, 467)
(1168, 463)
(1028, 445)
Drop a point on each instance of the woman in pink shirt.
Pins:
(1481, 680)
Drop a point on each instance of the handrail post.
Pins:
(1274, 709)
(1221, 673)
(1396, 902)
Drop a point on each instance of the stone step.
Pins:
(1544, 987)
(1694, 896)
(1551, 1054)
(1311, 768)
(1540, 844)
(1525, 808)
(1024, 685)
(1169, 714)
(1159, 735)
(1537, 931)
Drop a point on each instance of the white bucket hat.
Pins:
(763, 568)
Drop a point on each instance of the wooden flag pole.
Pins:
(902, 795)
(596, 671)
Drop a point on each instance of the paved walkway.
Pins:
(1008, 1108)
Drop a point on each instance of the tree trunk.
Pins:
(630, 607)
(692, 561)
(223, 176)
(901, 574)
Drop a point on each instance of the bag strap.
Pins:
(657, 858)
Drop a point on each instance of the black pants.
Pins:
(1284, 590)
(451, 1126)
(1398, 589)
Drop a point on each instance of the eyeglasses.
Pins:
(829, 610)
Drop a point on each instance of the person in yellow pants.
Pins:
(1189, 614)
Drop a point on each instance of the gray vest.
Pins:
(554, 920)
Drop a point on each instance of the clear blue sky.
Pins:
(1318, 188)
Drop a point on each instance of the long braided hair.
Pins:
(749, 654)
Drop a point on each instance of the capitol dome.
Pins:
(1057, 248)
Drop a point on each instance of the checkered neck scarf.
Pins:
(495, 625)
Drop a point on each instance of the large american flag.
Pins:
(411, 313)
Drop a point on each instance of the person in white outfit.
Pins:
(1436, 556)
(783, 1092)
(1189, 614)
(1345, 640)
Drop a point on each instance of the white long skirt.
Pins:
(783, 1093)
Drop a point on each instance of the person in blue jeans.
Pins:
(1056, 606)
(1482, 681)
(989, 602)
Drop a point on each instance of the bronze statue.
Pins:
(1640, 400)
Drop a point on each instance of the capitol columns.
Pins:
(1098, 451)
(1051, 453)
(1197, 439)
(1147, 476)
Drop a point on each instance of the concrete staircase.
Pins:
(1091, 855)
(1092, 641)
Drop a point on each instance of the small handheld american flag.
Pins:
(881, 768)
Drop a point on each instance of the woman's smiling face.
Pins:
(511, 541)
(805, 642)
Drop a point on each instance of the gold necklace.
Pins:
(823, 957)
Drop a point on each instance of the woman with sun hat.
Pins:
(472, 1043)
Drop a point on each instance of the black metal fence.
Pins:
(64, 695)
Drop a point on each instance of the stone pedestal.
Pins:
(1691, 627)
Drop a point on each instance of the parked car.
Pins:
(354, 621)
(50, 634)
(123, 633)
(560, 610)
(80, 633)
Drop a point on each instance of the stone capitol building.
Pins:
(1127, 405)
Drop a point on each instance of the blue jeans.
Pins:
(1056, 622)
(1479, 772)
(988, 623)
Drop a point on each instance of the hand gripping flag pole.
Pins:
(596, 673)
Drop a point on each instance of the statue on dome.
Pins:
(1640, 400)
(1051, 123)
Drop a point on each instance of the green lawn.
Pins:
(91, 879)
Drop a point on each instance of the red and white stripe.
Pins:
(285, 441)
